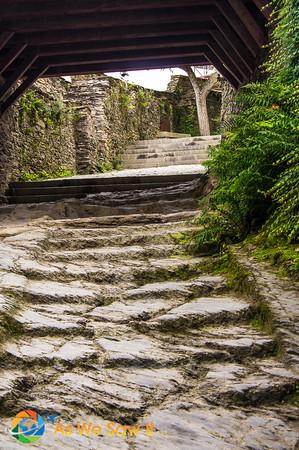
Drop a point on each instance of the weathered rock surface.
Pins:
(107, 319)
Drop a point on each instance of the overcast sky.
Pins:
(151, 79)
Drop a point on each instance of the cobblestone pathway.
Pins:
(106, 320)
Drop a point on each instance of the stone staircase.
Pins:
(109, 319)
(167, 151)
(125, 181)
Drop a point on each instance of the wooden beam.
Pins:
(222, 69)
(226, 61)
(35, 8)
(108, 20)
(126, 66)
(264, 7)
(103, 35)
(27, 83)
(106, 57)
(10, 57)
(233, 19)
(5, 36)
(235, 40)
(124, 45)
(122, 33)
(256, 31)
(231, 53)
(16, 75)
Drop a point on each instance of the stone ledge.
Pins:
(282, 297)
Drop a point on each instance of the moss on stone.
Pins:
(9, 328)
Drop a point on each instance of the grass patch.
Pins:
(44, 175)
(284, 258)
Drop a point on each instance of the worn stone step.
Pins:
(111, 393)
(153, 142)
(123, 220)
(142, 351)
(121, 178)
(203, 310)
(123, 231)
(158, 158)
(49, 320)
(51, 291)
(114, 253)
(31, 189)
(48, 351)
(178, 289)
(165, 151)
(240, 341)
(163, 163)
(110, 272)
(235, 384)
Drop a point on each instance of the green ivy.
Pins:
(33, 108)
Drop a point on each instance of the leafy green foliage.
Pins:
(44, 175)
(116, 164)
(257, 164)
(33, 109)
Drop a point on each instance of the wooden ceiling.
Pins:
(45, 38)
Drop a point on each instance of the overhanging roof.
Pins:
(44, 38)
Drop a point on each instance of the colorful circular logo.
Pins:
(27, 427)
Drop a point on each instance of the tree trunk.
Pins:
(228, 106)
(201, 94)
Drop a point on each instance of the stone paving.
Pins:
(108, 320)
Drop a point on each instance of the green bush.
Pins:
(257, 164)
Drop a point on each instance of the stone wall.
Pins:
(118, 114)
(84, 125)
(36, 134)
(60, 127)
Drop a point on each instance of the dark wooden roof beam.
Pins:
(11, 56)
(142, 55)
(108, 20)
(127, 66)
(35, 8)
(16, 75)
(127, 44)
(257, 32)
(27, 83)
(123, 33)
(5, 38)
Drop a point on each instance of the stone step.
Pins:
(110, 232)
(120, 178)
(203, 310)
(113, 253)
(189, 159)
(178, 289)
(62, 319)
(158, 158)
(98, 240)
(48, 351)
(109, 272)
(195, 149)
(149, 142)
(132, 220)
(51, 291)
(159, 164)
(31, 189)
(234, 384)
